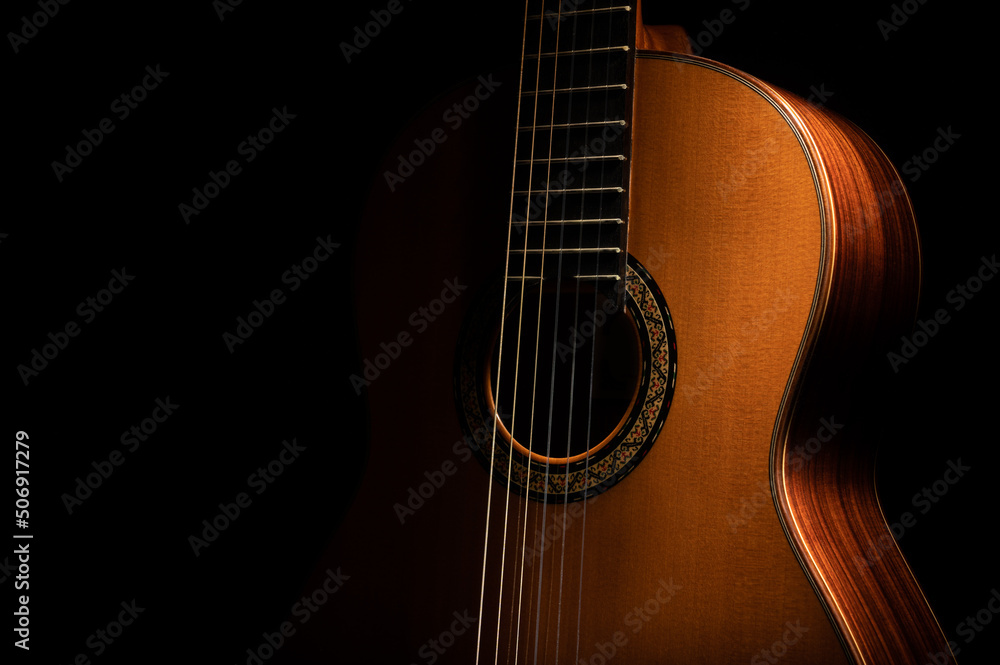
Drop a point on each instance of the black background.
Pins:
(162, 336)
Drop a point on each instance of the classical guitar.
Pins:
(612, 309)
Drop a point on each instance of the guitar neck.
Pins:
(572, 160)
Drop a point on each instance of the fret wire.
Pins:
(617, 278)
(567, 125)
(576, 12)
(571, 191)
(581, 158)
(612, 86)
(574, 250)
(603, 49)
(536, 222)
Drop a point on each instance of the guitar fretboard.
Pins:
(571, 171)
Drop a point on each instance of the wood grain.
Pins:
(830, 503)
(760, 219)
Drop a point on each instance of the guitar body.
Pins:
(784, 247)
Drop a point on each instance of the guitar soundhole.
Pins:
(585, 385)
(569, 374)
